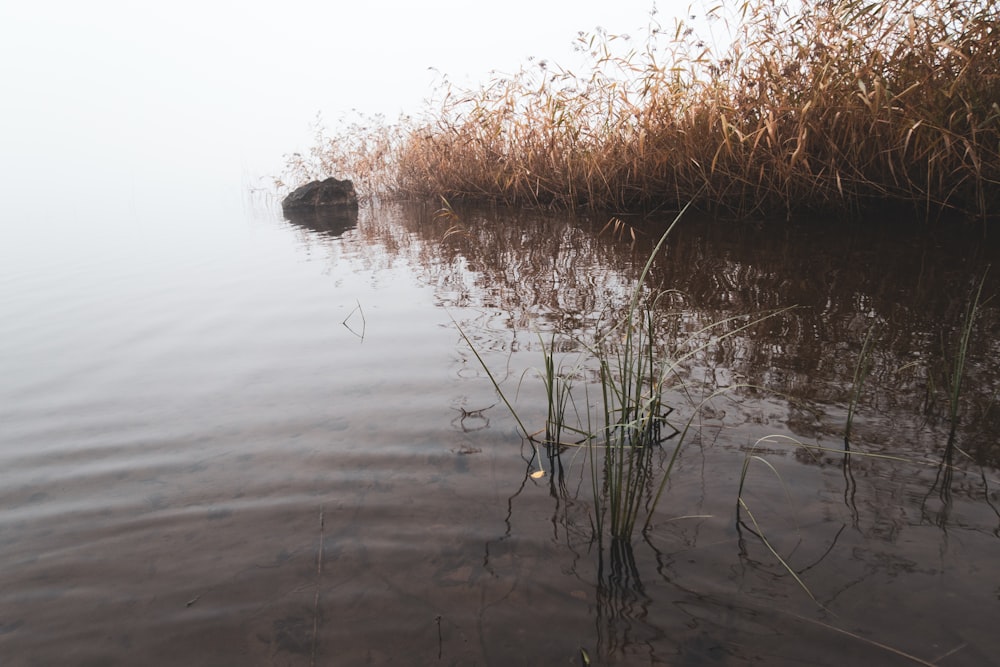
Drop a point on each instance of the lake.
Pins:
(233, 439)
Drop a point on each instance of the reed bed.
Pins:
(839, 106)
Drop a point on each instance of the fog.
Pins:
(139, 113)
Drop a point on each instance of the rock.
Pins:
(330, 193)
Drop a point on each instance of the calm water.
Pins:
(231, 439)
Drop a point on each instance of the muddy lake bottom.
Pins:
(245, 440)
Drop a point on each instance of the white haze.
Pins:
(120, 85)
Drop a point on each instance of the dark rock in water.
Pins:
(331, 193)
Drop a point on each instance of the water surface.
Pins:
(230, 438)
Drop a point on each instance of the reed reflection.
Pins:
(539, 273)
(879, 298)
(854, 373)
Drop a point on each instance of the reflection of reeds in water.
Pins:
(861, 369)
(621, 597)
(840, 106)
(934, 511)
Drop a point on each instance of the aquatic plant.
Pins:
(634, 420)
(957, 374)
(843, 106)
(631, 418)
(861, 369)
(625, 427)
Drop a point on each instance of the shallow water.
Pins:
(233, 439)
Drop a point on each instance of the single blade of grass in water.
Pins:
(961, 353)
(503, 396)
(860, 374)
(774, 552)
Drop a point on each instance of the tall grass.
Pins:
(622, 421)
(844, 106)
(861, 369)
(630, 419)
(956, 376)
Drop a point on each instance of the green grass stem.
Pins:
(861, 369)
(957, 374)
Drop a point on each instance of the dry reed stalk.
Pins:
(841, 106)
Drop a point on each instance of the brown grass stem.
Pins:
(845, 107)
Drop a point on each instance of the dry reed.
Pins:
(840, 106)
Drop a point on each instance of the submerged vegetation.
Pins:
(839, 106)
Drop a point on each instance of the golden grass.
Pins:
(840, 106)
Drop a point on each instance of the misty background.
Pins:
(122, 91)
